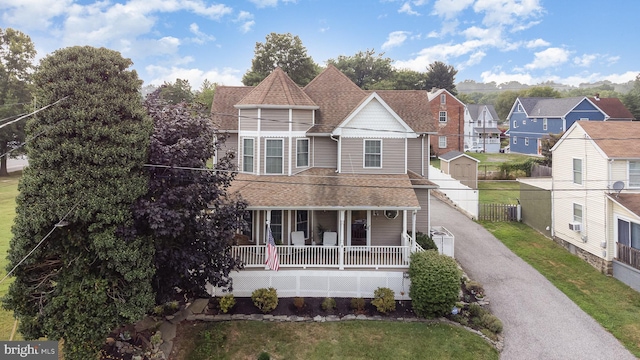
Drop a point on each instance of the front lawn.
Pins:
(330, 340)
(8, 193)
(498, 191)
(610, 302)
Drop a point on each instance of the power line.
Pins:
(60, 223)
(32, 113)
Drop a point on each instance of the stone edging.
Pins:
(195, 312)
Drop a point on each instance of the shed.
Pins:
(461, 167)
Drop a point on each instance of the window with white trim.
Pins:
(274, 156)
(515, 124)
(524, 121)
(515, 139)
(442, 142)
(520, 108)
(634, 174)
(302, 222)
(577, 213)
(577, 171)
(442, 116)
(247, 155)
(302, 152)
(526, 141)
(544, 124)
(373, 153)
(443, 98)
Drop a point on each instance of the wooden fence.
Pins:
(498, 212)
(628, 255)
(540, 171)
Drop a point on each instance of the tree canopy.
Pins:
(187, 210)
(632, 99)
(441, 76)
(285, 51)
(91, 273)
(366, 68)
(16, 66)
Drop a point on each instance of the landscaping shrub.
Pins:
(475, 287)
(426, 241)
(476, 310)
(298, 302)
(328, 304)
(358, 304)
(435, 283)
(227, 302)
(265, 299)
(384, 300)
(264, 356)
(491, 323)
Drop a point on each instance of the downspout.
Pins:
(290, 142)
(339, 162)
(259, 143)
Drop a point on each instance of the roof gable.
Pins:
(223, 112)
(616, 139)
(374, 118)
(454, 154)
(613, 108)
(435, 95)
(277, 90)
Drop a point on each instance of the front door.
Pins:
(359, 227)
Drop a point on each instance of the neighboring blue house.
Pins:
(530, 119)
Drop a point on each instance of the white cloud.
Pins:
(441, 52)
(585, 60)
(269, 3)
(247, 21)
(549, 57)
(201, 37)
(395, 38)
(502, 77)
(32, 14)
(573, 80)
(503, 12)
(226, 76)
(537, 43)
(246, 27)
(474, 59)
(450, 8)
(406, 9)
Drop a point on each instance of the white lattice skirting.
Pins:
(319, 283)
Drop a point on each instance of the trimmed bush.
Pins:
(298, 302)
(227, 302)
(426, 241)
(265, 299)
(435, 283)
(328, 304)
(358, 304)
(384, 300)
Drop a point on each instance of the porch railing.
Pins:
(340, 257)
(628, 255)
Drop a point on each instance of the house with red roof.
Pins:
(338, 175)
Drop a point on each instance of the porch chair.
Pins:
(330, 238)
(297, 238)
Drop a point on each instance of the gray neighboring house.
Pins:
(481, 128)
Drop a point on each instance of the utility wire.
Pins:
(57, 225)
(32, 113)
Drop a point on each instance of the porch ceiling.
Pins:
(319, 188)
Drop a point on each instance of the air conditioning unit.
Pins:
(575, 226)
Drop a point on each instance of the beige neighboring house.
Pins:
(461, 167)
(340, 176)
(596, 196)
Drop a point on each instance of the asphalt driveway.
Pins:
(540, 322)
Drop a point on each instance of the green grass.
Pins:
(498, 192)
(8, 193)
(331, 340)
(610, 302)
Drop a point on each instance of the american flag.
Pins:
(272, 252)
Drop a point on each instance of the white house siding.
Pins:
(248, 120)
(589, 194)
(374, 121)
(274, 120)
(620, 172)
(416, 158)
(302, 120)
(385, 232)
(393, 157)
(325, 152)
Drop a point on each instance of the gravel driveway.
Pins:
(540, 322)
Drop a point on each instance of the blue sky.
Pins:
(530, 41)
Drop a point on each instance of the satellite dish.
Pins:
(618, 186)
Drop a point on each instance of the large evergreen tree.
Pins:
(285, 51)
(441, 76)
(366, 69)
(85, 172)
(187, 209)
(16, 66)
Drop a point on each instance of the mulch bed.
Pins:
(313, 307)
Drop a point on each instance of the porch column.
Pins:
(404, 222)
(341, 241)
(413, 230)
(266, 234)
